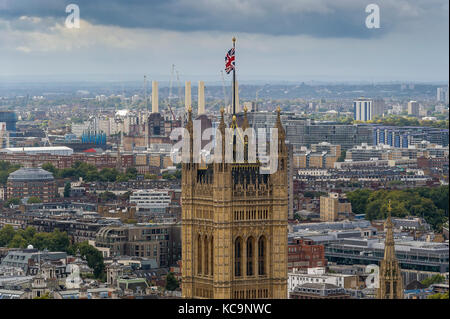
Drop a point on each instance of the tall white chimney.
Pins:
(187, 95)
(155, 108)
(201, 97)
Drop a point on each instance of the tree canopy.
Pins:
(6, 168)
(34, 200)
(54, 241)
(171, 282)
(90, 173)
(396, 120)
(428, 203)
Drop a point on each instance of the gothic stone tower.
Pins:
(391, 285)
(234, 225)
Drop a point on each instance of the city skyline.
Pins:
(170, 150)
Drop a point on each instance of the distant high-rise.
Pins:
(442, 94)
(155, 106)
(378, 108)
(413, 108)
(10, 118)
(363, 109)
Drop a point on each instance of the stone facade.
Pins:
(234, 225)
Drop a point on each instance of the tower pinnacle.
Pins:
(391, 285)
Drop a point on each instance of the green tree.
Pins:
(46, 296)
(59, 241)
(171, 282)
(6, 168)
(67, 189)
(436, 279)
(439, 296)
(131, 172)
(107, 196)
(42, 241)
(122, 178)
(17, 241)
(29, 233)
(126, 195)
(93, 257)
(428, 203)
(359, 199)
(6, 235)
(34, 200)
(12, 201)
(50, 168)
(107, 174)
(342, 156)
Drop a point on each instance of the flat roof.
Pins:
(42, 148)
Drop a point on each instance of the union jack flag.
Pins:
(229, 61)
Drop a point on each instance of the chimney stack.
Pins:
(201, 97)
(155, 108)
(187, 95)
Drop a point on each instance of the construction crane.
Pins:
(170, 91)
(256, 98)
(145, 95)
(47, 140)
(180, 102)
(146, 113)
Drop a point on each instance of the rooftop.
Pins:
(36, 149)
(30, 174)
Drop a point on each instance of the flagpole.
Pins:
(234, 77)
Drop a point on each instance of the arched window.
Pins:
(250, 256)
(205, 247)
(237, 256)
(199, 254)
(212, 255)
(261, 255)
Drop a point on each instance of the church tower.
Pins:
(234, 223)
(391, 285)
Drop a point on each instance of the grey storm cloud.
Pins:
(316, 18)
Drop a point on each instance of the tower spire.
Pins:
(391, 285)
(389, 252)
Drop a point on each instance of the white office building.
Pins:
(155, 201)
(413, 108)
(363, 109)
(319, 276)
(442, 94)
(53, 150)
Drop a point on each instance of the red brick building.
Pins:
(31, 182)
(304, 253)
(66, 161)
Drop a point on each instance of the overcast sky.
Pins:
(293, 40)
